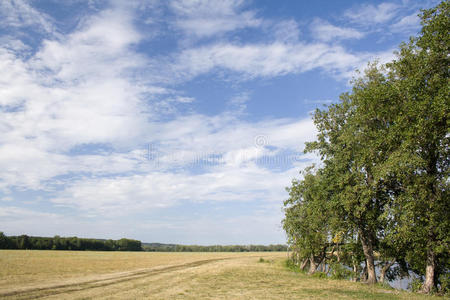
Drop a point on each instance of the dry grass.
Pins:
(116, 275)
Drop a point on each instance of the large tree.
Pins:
(385, 149)
(307, 222)
(351, 142)
(420, 75)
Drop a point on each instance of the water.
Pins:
(400, 283)
(397, 283)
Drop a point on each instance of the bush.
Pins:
(415, 285)
(319, 275)
(444, 280)
(338, 271)
(289, 263)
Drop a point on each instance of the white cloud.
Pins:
(407, 24)
(12, 44)
(92, 91)
(183, 99)
(122, 195)
(287, 31)
(82, 90)
(324, 31)
(238, 103)
(18, 212)
(75, 91)
(368, 14)
(234, 166)
(204, 18)
(18, 13)
(269, 60)
(223, 133)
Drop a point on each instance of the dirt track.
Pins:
(100, 281)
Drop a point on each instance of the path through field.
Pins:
(100, 275)
(101, 281)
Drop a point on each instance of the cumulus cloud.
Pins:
(91, 118)
(73, 91)
(83, 91)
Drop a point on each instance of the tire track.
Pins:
(38, 292)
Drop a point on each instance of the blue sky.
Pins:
(172, 121)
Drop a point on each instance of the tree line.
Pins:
(379, 198)
(26, 242)
(154, 247)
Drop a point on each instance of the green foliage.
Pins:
(4, 241)
(290, 264)
(67, 243)
(421, 159)
(444, 282)
(267, 261)
(157, 247)
(338, 271)
(74, 243)
(385, 150)
(307, 222)
(415, 285)
(319, 275)
(128, 245)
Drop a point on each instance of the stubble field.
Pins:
(147, 275)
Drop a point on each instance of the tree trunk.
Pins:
(303, 264)
(364, 272)
(367, 244)
(355, 272)
(384, 269)
(430, 280)
(312, 265)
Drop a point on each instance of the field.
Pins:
(148, 275)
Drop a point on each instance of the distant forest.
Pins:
(26, 242)
(156, 247)
(67, 243)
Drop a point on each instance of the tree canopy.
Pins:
(384, 178)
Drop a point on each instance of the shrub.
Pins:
(444, 281)
(415, 285)
(338, 271)
(319, 275)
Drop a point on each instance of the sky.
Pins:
(173, 121)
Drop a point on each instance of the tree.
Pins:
(307, 221)
(23, 242)
(421, 162)
(386, 154)
(351, 142)
(4, 241)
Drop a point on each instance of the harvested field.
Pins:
(146, 275)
